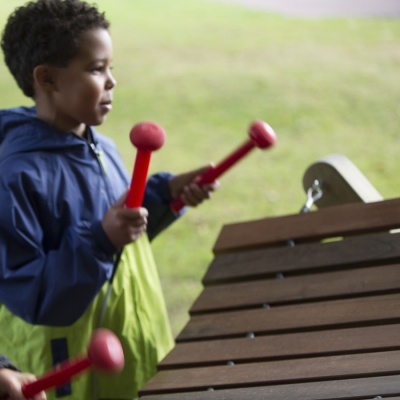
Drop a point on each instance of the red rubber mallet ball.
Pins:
(146, 137)
(261, 136)
(104, 353)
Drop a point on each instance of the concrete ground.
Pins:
(326, 8)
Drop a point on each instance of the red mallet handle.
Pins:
(104, 353)
(261, 135)
(146, 137)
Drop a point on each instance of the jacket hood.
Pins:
(21, 130)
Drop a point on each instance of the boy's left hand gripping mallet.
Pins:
(104, 353)
(261, 136)
(146, 137)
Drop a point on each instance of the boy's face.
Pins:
(84, 89)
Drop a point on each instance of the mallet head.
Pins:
(105, 351)
(147, 136)
(261, 134)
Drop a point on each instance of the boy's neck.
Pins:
(50, 117)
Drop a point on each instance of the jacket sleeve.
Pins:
(42, 283)
(156, 199)
(6, 363)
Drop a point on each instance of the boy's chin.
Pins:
(98, 121)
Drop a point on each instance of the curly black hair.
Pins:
(46, 32)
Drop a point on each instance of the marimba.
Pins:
(303, 306)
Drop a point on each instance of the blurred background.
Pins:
(204, 70)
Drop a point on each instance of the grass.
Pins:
(205, 70)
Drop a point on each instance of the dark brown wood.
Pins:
(317, 321)
(346, 389)
(296, 289)
(256, 264)
(343, 220)
(275, 372)
(374, 310)
(274, 347)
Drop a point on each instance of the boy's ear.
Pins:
(44, 77)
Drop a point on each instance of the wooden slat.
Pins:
(339, 220)
(275, 372)
(372, 310)
(322, 286)
(346, 389)
(294, 345)
(358, 251)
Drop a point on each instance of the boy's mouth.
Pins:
(106, 105)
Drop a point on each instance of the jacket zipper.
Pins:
(99, 158)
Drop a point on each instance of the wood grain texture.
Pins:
(319, 320)
(343, 220)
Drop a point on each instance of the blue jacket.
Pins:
(55, 188)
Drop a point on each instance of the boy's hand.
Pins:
(184, 186)
(11, 383)
(124, 225)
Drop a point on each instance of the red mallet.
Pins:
(146, 137)
(104, 353)
(261, 135)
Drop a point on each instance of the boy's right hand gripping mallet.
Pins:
(146, 137)
(261, 135)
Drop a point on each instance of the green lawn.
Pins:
(205, 70)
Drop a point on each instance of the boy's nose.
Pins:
(111, 82)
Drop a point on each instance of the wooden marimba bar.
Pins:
(320, 320)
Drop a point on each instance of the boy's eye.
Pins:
(99, 68)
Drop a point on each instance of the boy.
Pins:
(12, 380)
(62, 214)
